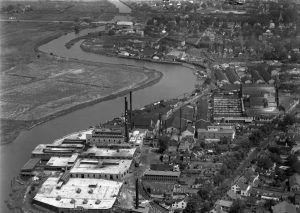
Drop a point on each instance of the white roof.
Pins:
(105, 191)
(95, 166)
(103, 152)
(124, 23)
(58, 161)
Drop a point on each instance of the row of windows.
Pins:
(106, 176)
(109, 140)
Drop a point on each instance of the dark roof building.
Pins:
(232, 75)
(266, 75)
(256, 77)
(220, 76)
(258, 90)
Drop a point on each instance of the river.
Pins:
(176, 80)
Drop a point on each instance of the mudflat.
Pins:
(37, 87)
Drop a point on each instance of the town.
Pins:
(230, 145)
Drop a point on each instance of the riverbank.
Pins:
(12, 128)
(46, 72)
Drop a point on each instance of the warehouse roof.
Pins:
(111, 153)
(79, 193)
(161, 173)
(31, 164)
(101, 166)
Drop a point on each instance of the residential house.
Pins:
(179, 204)
(223, 205)
(294, 182)
(241, 188)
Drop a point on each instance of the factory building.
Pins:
(158, 176)
(104, 137)
(78, 195)
(106, 153)
(105, 169)
(217, 133)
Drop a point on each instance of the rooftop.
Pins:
(116, 153)
(161, 173)
(58, 161)
(85, 193)
(101, 166)
(31, 164)
(224, 203)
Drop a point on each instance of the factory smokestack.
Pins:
(130, 115)
(137, 193)
(180, 115)
(125, 116)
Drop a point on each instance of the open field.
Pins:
(62, 10)
(36, 87)
(47, 88)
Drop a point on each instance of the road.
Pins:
(175, 109)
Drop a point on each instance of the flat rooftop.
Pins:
(86, 193)
(161, 173)
(59, 161)
(109, 153)
(101, 166)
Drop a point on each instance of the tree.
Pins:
(191, 205)
(264, 162)
(203, 193)
(111, 32)
(163, 144)
(237, 206)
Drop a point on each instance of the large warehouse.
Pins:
(88, 195)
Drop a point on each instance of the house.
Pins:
(183, 146)
(294, 182)
(179, 204)
(284, 207)
(232, 196)
(241, 188)
(224, 205)
(217, 133)
(172, 146)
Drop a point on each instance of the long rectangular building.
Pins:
(106, 153)
(106, 169)
(80, 195)
(165, 176)
(106, 136)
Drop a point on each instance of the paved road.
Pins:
(203, 93)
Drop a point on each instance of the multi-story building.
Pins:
(217, 133)
(78, 195)
(104, 137)
(105, 169)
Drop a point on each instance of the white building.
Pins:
(92, 195)
(180, 204)
(105, 169)
(106, 153)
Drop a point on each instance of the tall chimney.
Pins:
(130, 115)
(125, 116)
(180, 115)
(137, 193)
